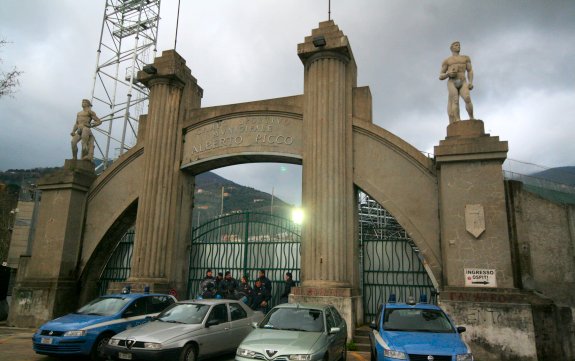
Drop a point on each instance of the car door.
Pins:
(240, 324)
(333, 342)
(215, 339)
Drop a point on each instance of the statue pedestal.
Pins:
(47, 279)
(473, 216)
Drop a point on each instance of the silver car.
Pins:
(186, 331)
(298, 332)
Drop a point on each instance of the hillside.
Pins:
(209, 194)
(563, 175)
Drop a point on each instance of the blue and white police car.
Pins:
(416, 332)
(86, 331)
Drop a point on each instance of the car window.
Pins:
(158, 303)
(237, 312)
(191, 313)
(329, 319)
(336, 316)
(219, 312)
(298, 319)
(378, 317)
(136, 308)
(103, 306)
(416, 320)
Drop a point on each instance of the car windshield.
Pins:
(191, 313)
(294, 319)
(104, 306)
(416, 320)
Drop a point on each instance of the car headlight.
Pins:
(465, 357)
(114, 342)
(300, 357)
(152, 346)
(245, 353)
(394, 354)
(75, 333)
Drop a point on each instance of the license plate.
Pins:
(46, 341)
(124, 356)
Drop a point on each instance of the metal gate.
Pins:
(390, 259)
(244, 243)
(118, 267)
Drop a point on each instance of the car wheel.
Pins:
(189, 353)
(98, 348)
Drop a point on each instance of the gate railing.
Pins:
(390, 260)
(243, 243)
(118, 267)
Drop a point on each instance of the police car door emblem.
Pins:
(271, 353)
(130, 342)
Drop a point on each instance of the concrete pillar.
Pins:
(473, 215)
(329, 252)
(163, 219)
(47, 279)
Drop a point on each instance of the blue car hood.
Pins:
(425, 342)
(74, 321)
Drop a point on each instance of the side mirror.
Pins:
(212, 323)
(372, 325)
(334, 330)
(461, 329)
(254, 324)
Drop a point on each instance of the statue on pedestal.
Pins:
(82, 131)
(454, 69)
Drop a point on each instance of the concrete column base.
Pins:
(37, 301)
(508, 324)
(347, 301)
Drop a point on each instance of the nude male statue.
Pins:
(82, 131)
(458, 85)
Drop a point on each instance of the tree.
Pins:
(8, 81)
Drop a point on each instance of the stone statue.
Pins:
(458, 85)
(82, 131)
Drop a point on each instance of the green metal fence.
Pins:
(390, 259)
(244, 243)
(118, 267)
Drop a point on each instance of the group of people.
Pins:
(257, 297)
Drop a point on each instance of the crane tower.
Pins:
(128, 41)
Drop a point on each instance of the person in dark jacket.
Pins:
(219, 279)
(288, 284)
(261, 297)
(266, 281)
(208, 285)
(245, 291)
(229, 286)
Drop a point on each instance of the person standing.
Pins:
(265, 281)
(288, 284)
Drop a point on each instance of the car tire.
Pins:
(189, 353)
(97, 353)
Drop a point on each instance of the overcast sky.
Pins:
(522, 53)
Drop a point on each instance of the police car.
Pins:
(416, 332)
(87, 330)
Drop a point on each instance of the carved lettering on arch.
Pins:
(474, 219)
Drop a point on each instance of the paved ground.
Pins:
(16, 345)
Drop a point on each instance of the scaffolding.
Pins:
(128, 41)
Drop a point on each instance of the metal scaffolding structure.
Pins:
(128, 41)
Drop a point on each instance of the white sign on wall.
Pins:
(480, 277)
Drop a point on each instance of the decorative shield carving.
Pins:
(474, 219)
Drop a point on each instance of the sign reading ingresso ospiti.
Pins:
(480, 277)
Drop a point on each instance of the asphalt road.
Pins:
(16, 345)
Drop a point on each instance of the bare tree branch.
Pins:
(8, 81)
